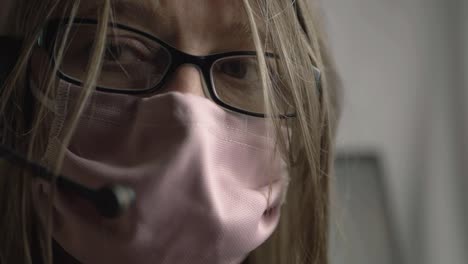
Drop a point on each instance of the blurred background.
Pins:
(402, 149)
(400, 194)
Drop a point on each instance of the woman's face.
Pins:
(227, 186)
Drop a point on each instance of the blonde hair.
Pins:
(293, 33)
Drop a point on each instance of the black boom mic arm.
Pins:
(110, 201)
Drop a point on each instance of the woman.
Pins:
(205, 111)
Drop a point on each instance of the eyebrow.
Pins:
(239, 29)
(143, 10)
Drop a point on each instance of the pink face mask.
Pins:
(201, 176)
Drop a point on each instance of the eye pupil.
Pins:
(113, 52)
(235, 69)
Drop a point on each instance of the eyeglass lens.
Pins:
(133, 62)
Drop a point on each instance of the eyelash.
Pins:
(135, 46)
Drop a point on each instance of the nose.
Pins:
(185, 79)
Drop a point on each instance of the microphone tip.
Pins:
(112, 201)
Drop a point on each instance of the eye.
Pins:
(239, 68)
(126, 51)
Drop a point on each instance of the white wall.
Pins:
(398, 60)
(464, 98)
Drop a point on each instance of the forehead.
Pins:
(212, 13)
(172, 19)
(205, 8)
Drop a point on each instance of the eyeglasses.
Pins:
(136, 62)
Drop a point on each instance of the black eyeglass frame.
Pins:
(177, 58)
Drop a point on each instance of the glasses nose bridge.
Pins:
(201, 64)
(181, 60)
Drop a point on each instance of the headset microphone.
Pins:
(110, 201)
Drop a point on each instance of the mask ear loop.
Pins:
(36, 97)
(33, 90)
(9, 56)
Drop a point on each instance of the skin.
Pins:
(195, 27)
